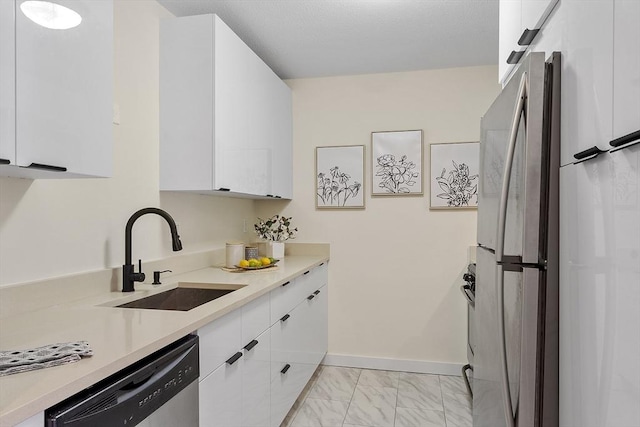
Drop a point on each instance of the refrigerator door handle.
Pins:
(502, 221)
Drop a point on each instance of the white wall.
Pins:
(395, 266)
(57, 227)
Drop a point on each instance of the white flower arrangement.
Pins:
(276, 229)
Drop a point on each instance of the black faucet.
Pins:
(128, 274)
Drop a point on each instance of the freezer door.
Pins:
(488, 409)
(526, 213)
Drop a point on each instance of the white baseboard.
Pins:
(405, 365)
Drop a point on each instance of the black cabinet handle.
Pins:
(285, 369)
(632, 139)
(306, 272)
(47, 167)
(224, 189)
(233, 359)
(4, 161)
(316, 292)
(269, 195)
(252, 344)
(310, 297)
(285, 283)
(278, 197)
(321, 264)
(284, 318)
(514, 57)
(587, 154)
(527, 37)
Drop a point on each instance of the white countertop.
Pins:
(118, 336)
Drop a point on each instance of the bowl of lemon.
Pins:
(257, 263)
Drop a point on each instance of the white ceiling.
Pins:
(313, 38)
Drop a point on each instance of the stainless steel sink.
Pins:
(183, 298)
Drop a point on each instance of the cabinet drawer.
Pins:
(255, 318)
(219, 340)
(286, 297)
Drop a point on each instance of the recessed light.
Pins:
(51, 15)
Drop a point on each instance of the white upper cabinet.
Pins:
(225, 117)
(518, 21)
(61, 87)
(626, 68)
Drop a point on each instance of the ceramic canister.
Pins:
(250, 252)
(235, 253)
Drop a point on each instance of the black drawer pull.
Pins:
(285, 369)
(514, 57)
(527, 37)
(47, 167)
(587, 154)
(284, 318)
(252, 344)
(269, 195)
(316, 292)
(4, 161)
(633, 137)
(278, 197)
(233, 359)
(321, 264)
(310, 297)
(306, 272)
(224, 189)
(285, 283)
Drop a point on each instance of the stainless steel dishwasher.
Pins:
(159, 390)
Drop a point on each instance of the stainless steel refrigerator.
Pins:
(516, 361)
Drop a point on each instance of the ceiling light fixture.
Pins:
(51, 15)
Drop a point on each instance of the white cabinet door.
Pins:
(626, 68)
(516, 17)
(587, 76)
(281, 130)
(7, 83)
(256, 382)
(620, 385)
(509, 32)
(219, 340)
(586, 284)
(64, 91)
(534, 12)
(220, 396)
(599, 293)
(241, 141)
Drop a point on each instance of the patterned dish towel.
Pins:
(13, 362)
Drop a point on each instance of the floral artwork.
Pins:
(339, 177)
(454, 175)
(336, 188)
(396, 163)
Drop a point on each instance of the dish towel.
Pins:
(13, 362)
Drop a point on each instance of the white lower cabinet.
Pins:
(221, 396)
(299, 342)
(253, 368)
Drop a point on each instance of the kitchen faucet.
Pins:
(129, 276)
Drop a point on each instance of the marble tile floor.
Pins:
(351, 397)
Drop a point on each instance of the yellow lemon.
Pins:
(243, 263)
(265, 261)
(254, 263)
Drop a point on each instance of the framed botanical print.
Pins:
(453, 175)
(339, 177)
(396, 163)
